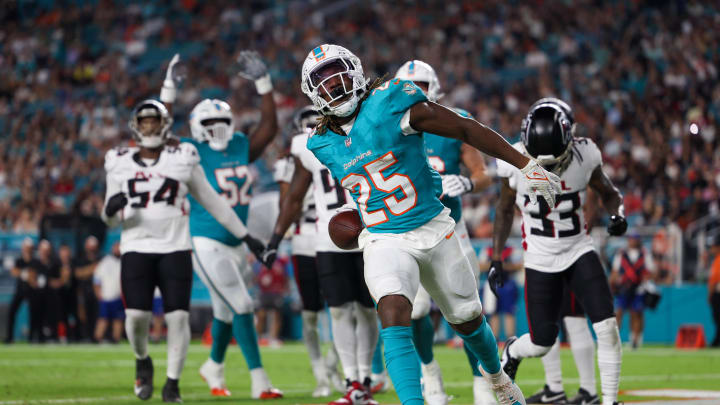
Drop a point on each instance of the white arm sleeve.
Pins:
(112, 187)
(405, 126)
(203, 192)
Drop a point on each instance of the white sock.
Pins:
(310, 335)
(553, 368)
(137, 326)
(343, 328)
(524, 347)
(178, 340)
(366, 333)
(609, 358)
(331, 358)
(583, 349)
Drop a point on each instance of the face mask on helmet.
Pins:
(333, 79)
(547, 137)
(150, 124)
(211, 121)
(305, 119)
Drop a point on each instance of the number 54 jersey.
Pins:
(554, 238)
(155, 218)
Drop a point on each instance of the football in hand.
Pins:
(344, 229)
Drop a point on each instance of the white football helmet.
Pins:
(320, 67)
(211, 121)
(419, 71)
(150, 108)
(305, 118)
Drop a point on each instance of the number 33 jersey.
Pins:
(553, 239)
(155, 219)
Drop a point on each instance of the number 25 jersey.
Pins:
(553, 239)
(155, 219)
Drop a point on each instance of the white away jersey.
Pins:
(303, 239)
(155, 219)
(329, 196)
(553, 239)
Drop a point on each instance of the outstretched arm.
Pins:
(474, 161)
(436, 119)
(203, 192)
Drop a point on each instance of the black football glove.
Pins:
(617, 226)
(115, 204)
(256, 247)
(496, 276)
(270, 253)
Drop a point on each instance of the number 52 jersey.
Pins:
(553, 239)
(155, 219)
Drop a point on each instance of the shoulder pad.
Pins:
(113, 156)
(298, 144)
(396, 96)
(187, 152)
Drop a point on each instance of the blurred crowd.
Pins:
(642, 78)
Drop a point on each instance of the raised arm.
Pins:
(611, 199)
(434, 118)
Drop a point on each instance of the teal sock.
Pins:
(423, 334)
(244, 332)
(377, 363)
(483, 345)
(473, 360)
(221, 334)
(402, 364)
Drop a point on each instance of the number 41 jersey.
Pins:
(553, 239)
(155, 218)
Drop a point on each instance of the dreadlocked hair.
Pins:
(328, 121)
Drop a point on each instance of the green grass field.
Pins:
(104, 374)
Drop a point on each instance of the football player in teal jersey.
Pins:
(219, 259)
(370, 138)
(445, 156)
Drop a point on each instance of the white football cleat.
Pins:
(507, 392)
(321, 390)
(432, 384)
(260, 387)
(214, 375)
(380, 382)
(482, 393)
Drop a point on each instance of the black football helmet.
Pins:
(547, 133)
(305, 118)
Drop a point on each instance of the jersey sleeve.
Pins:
(189, 153)
(283, 170)
(112, 157)
(590, 151)
(299, 149)
(393, 100)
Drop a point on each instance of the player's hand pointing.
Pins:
(541, 181)
(496, 276)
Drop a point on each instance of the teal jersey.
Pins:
(386, 171)
(228, 173)
(445, 155)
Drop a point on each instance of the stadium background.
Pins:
(641, 76)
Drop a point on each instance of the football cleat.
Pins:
(143, 378)
(260, 387)
(321, 390)
(356, 394)
(507, 392)
(482, 393)
(432, 384)
(171, 391)
(335, 379)
(380, 382)
(547, 396)
(508, 363)
(214, 375)
(584, 398)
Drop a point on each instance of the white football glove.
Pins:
(251, 67)
(168, 93)
(541, 181)
(454, 185)
(348, 206)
